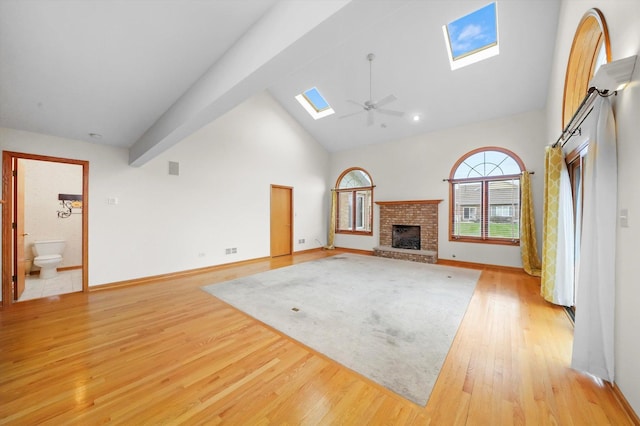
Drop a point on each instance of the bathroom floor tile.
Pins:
(63, 282)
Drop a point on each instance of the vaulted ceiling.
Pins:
(146, 74)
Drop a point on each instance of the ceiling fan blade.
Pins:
(351, 114)
(351, 101)
(390, 112)
(386, 100)
(370, 118)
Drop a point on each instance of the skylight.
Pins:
(473, 37)
(314, 103)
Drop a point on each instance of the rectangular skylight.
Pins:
(473, 37)
(314, 103)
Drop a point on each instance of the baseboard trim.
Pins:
(624, 404)
(171, 275)
(473, 265)
(64, 268)
(69, 268)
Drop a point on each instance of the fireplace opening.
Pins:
(405, 237)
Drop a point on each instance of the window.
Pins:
(473, 37)
(502, 211)
(355, 202)
(590, 49)
(485, 197)
(469, 213)
(314, 103)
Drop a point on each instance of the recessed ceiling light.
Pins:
(416, 117)
(95, 135)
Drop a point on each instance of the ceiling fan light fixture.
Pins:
(371, 106)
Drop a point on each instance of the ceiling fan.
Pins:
(370, 106)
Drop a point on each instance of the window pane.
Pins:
(363, 214)
(467, 209)
(345, 200)
(487, 163)
(473, 32)
(355, 179)
(316, 100)
(504, 209)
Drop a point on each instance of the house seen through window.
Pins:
(354, 202)
(485, 197)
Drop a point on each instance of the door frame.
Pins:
(290, 189)
(8, 158)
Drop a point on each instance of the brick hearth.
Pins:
(422, 213)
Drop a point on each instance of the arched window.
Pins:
(355, 202)
(485, 197)
(590, 49)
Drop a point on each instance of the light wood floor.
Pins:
(169, 353)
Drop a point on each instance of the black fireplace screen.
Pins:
(406, 237)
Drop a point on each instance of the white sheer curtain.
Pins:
(565, 260)
(593, 350)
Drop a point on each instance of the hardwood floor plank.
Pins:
(169, 353)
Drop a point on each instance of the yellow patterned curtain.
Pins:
(528, 244)
(332, 221)
(558, 233)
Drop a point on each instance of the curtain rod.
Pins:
(570, 130)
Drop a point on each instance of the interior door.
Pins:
(281, 220)
(18, 229)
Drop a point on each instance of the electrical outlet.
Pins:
(301, 241)
(201, 254)
(234, 250)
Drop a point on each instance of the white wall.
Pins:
(44, 180)
(623, 21)
(164, 223)
(413, 169)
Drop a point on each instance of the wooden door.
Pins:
(18, 229)
(281, 220)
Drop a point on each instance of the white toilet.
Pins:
(48, 256)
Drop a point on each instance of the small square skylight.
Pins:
(314, 103)
(473, 37)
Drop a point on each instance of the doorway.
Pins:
(576, 160)
(281, 220)
(45, 198)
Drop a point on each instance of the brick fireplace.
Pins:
(415, 213)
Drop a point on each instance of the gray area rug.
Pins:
(392, 321)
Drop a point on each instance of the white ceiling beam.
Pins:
(288, 36)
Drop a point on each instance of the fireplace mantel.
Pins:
(395, 203)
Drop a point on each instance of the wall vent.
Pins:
(174, 168)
